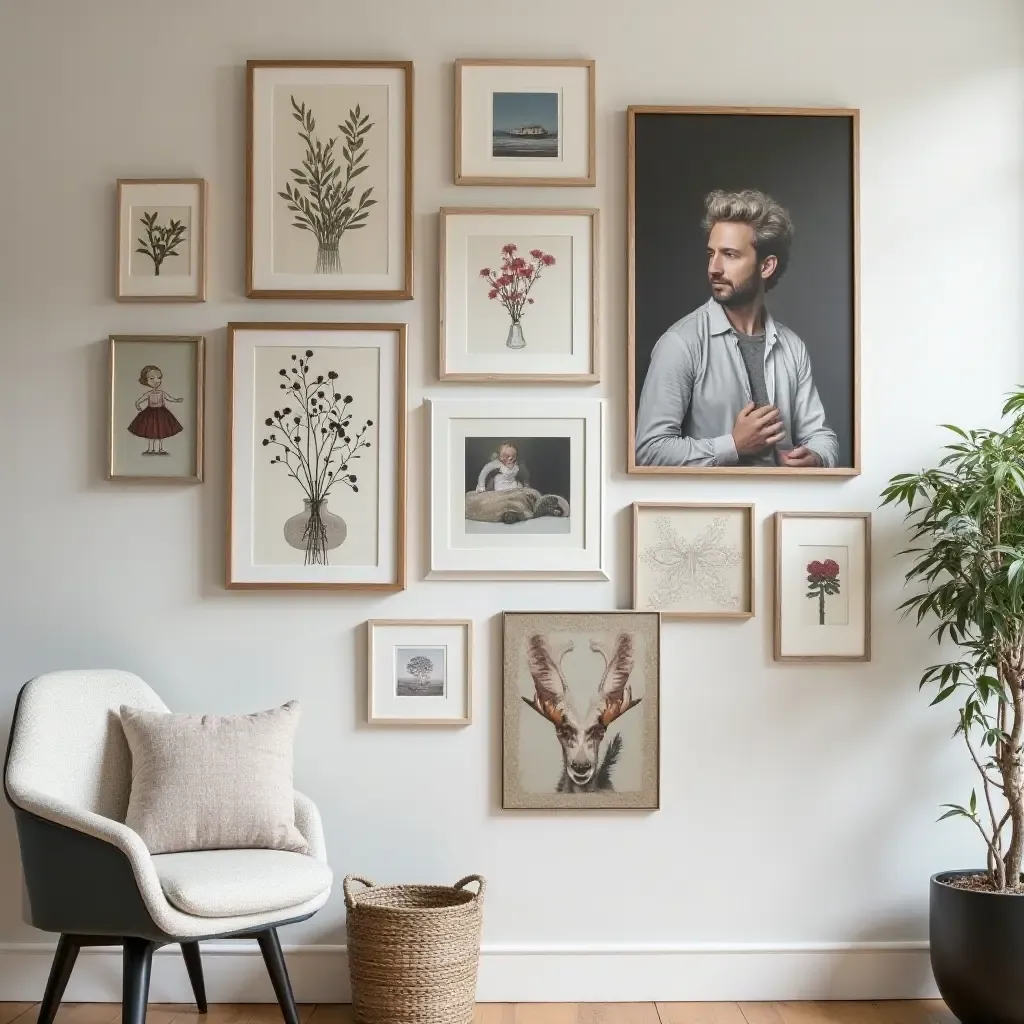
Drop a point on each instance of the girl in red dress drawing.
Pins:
(154, 421)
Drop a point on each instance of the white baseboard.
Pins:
(533, 973)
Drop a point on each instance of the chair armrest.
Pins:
(307, 821)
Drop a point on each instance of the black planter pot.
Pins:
(977, 951)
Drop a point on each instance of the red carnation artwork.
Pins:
(822, 580)
(512, 283)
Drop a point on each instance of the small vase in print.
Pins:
(315, 531)
(515, 337)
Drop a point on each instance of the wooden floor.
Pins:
(903, 1012)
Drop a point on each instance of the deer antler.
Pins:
(617, 708)
(598, 648)
(615, 689)
(548, 680)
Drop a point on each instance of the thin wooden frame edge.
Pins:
(371, 626)
(820, 659)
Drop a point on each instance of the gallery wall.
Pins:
(797, 828)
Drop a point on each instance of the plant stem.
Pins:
(821, 607)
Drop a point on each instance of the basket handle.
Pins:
(350, 900)
(479, 879)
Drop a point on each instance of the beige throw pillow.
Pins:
(213, 782)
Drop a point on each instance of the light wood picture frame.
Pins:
(155, 407)
(673, 434)
(419, 672)
(519, 295)
(694, 560)
(525, 122)
(344, 386)
(822, 584)
(344, 126)
(160, 250)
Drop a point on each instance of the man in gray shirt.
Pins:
(728, 385)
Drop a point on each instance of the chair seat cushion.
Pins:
(230, 883)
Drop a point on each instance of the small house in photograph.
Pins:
(531, 129)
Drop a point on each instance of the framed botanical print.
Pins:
(580, 722)
(518, 296)
(822, 586)
(743, 318)
(524, 122)
(156, 408)
(516, 489)
(161, 240)
(317, 456)
(693, 560)
(329, 179)
(420, 672)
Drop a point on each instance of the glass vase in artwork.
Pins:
(515, 337)
(316, 531)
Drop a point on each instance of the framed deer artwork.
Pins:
(580, 722)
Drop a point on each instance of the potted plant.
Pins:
(966, 519)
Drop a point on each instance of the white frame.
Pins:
(581, 366)
(543, 559)
(418, 630)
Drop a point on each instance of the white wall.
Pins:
(798, 803)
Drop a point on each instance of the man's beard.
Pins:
(735, 295)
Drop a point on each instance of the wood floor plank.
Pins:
(700, 1013)
(493, 1013)
(87, 1013)
(827, 1012)
(902, 1011)
(270, 1013)
(617, 1013)
(331, 1013)
(220, 1013)
(760, 1013)
(939, 1012)
(12, 1011)
(546, 1013)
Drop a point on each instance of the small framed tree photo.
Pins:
(822, 586)
(329, 179)
(420, 672)
(161, 240)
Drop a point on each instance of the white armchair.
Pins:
(89, 877)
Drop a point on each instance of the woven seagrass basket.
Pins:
(413, 951)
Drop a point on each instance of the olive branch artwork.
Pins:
(316, 444)
(321, 194)
(160, 241)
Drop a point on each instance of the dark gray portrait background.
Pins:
(805, 162)
(547, 460)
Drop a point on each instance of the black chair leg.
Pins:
(270, 947)
(138, 962)
(194, 965)
(60, 970)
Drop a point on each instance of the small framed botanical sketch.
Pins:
(317, 456)
(693, 560)
(161, 240)
(580, 710)
(156, 408)
(518, 296)
(822, 586)
(329, 179)
(516, 489)
(524, 122)
(420, 672)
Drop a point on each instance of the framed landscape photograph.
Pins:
(822, 586)
(317, 456)
(524, 122)
(161, 240)
(420, 671)
(693, 560)
(743, 306)
(580, 722)
(518, 296)
(329, 179)
(156, 408)
(516, 489)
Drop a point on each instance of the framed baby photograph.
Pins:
(525, 122)
(693, 560)
(516, 489)
(518, 296)
(329, 179)
(316, 456)
(161, 240)
(156, 408)
(580, 722)
(822, 586)
(420, 672)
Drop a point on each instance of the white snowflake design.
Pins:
(694, 570)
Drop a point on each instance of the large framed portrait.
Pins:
(329, 179)
(516, 489)
(316, 456)
(743, 276)
(580, 722)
